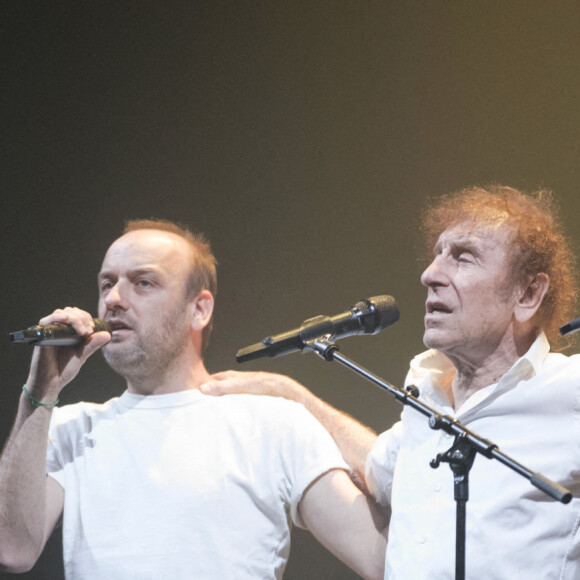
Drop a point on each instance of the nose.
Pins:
(434, 274)
(113, 299)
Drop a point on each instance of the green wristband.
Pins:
(35, 402)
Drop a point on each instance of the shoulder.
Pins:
(262, 406)
(287, 422)
(81, 412)
(562, 366)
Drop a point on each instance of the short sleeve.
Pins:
(309, 452)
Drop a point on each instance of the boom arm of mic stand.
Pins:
(409, 396)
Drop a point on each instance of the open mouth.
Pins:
(437, 308)
(118, 325)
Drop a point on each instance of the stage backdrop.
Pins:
(301, 137)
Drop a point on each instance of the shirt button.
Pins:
(421, 540)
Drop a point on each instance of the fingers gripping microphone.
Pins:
(368, 316)
(54, 334)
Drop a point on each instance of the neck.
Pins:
(474, 374)
(467, 381)
(181, 375)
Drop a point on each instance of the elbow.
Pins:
(375, 564)
(373, 575)
(15, 566)
(377, 573)
(16, 561)
(374, 571)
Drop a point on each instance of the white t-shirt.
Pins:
(514, 531)
(184, 486)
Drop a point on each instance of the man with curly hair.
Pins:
(499, 284)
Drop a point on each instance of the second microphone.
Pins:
(369, 316)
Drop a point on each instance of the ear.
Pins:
(531, 297)
(202, 310)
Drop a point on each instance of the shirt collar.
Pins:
(529, 364)
(136, 401)
(430, 366)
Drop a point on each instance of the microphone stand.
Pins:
(460, 455)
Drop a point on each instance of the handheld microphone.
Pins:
(368, 316)
(570, 327)
(54, 334)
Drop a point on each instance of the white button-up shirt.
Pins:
(514, 530)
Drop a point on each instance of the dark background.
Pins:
(301, 137)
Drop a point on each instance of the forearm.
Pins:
(347, 523)
(23, 504)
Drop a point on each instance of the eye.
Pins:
(143, 283)
(105, 286)
(465, 257)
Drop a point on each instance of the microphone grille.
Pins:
(386, 310)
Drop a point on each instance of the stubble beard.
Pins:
(149, 355)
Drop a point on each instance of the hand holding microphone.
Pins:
(56, 334)
(52, 368)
